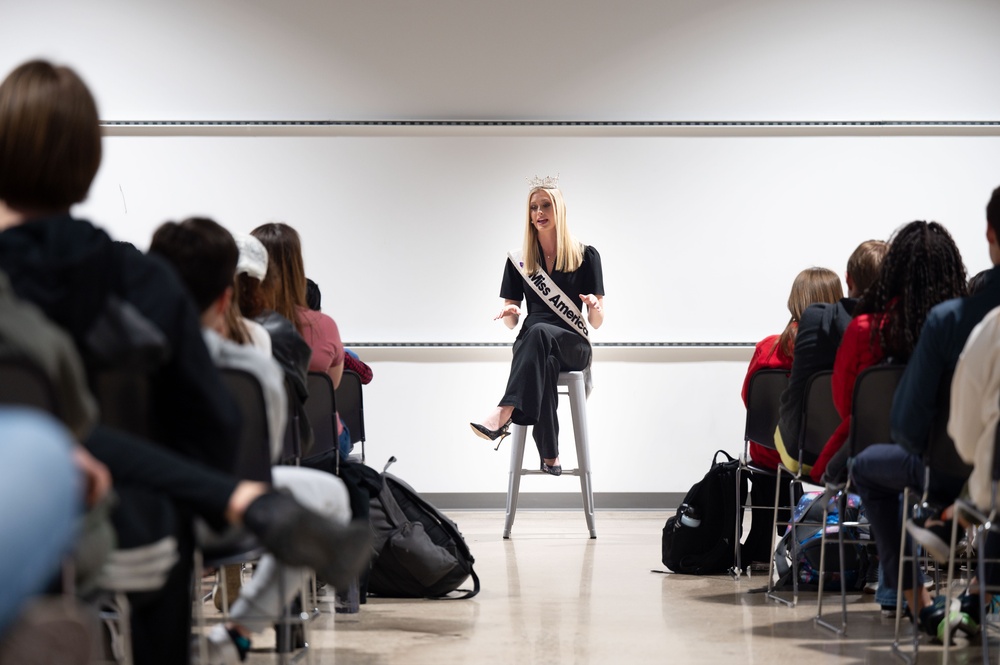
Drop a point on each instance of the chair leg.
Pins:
(578, 410)
(774, 527)
(518, 437)
(983, 534)
(795, 547)
(737, 569)
(822, 572)
(896, 648)
(841, 509)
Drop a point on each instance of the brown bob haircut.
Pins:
(284, 287)
(50, 138)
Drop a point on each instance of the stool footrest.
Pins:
(573, 384)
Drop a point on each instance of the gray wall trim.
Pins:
(665, 501)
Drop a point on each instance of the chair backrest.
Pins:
(873, 393)
(25, 384)
(321, 410)
(763, 399)
(819, 416)
(123, 398)
(351, 406)
(941, 454)
(254, 461)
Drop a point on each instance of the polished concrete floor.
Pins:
(550, 594)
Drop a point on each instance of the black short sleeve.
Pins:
(512, 286)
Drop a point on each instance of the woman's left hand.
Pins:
(591, 301)
(595, 309)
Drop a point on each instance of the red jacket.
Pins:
(766, 355)
(856, 353)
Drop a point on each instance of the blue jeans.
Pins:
(40, 501)
(880, 473)
(885, 595)
(344, 443)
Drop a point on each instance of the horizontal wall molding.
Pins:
(663, 501)
(549, 128)
(500, 352)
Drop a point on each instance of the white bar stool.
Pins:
(574, 384)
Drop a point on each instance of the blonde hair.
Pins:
(569, 253)
(812, 285)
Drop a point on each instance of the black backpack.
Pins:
(419, 553)
(698, 540)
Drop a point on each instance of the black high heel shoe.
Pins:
(552, 470)
(492, 434)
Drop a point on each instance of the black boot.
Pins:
(296, 536)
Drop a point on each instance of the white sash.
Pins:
(543, 285)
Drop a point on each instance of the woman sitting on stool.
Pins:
(557, 276)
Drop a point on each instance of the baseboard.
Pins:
(665, 501)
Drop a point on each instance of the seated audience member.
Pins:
(882, 471)
(205, 257)
(820, 330)
(814, 285)
(76, 275)
(142, 472)
(972, 425)
(284, 290)
(977, 281)
(922, 268)
(287, 346)
(352, 362)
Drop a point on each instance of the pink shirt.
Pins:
(323, 337)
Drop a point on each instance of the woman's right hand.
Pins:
(509, 309)
(510, 313)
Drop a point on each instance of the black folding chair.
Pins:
(763, 398)
(819, 420)
(321, 410)
(870, 411)
(351, 406)
(940, 460)
(254, 463)
(123, 398)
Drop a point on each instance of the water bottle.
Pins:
(689, 516)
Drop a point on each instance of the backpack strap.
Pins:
(392, 510)
(467, 593)
(715, 458)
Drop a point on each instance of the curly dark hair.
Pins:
(922, 268)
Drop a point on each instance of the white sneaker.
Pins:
(219, 648)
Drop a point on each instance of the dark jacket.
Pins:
(293, 354)
(820, 330)
(69, 268)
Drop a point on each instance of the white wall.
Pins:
(674, 210)
(520, 59)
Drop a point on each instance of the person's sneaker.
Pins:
(222, 647)
(297, 536)
(967, 603)
(936, 622)
(889, 611)
(933, 534)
